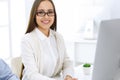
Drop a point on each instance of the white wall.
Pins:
(28, 5)
(115, 9)
(111, 10)
(85, 51)
(17, 24)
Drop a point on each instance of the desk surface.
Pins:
(80, 74)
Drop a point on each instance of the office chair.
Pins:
(17, 66)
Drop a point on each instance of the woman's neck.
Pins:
(45, 31)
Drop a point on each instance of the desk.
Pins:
(80, 74)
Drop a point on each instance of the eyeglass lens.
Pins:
(43, 13)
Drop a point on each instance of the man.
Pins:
(5, 72)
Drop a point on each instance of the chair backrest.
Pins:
(17, 66)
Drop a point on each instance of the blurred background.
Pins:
(78, 21)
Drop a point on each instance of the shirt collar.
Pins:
(41, 35)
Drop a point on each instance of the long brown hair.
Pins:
(32, 20)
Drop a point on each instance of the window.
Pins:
(12, 27)
(76, 17)
(5, 40)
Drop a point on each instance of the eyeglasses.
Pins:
(42, 13)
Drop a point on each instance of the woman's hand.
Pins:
(74, 79)
(68, 77)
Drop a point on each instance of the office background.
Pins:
(78, 22)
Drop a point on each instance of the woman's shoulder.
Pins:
(28, 35)
(27, 38)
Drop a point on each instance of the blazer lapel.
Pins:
(37, 50)
(59, 65)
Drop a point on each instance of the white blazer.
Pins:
(32, 58)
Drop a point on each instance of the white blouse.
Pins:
(50, 53)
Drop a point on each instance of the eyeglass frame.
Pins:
(37, 13)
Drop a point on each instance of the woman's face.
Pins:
(45, 15)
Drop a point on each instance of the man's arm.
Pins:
(5, 72)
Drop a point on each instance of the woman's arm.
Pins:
(68, 68)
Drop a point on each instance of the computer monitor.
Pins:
(107, 57)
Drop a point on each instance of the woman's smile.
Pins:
(45, 21)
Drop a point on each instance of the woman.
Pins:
(43, 51)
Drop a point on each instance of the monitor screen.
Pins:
(107, 57)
